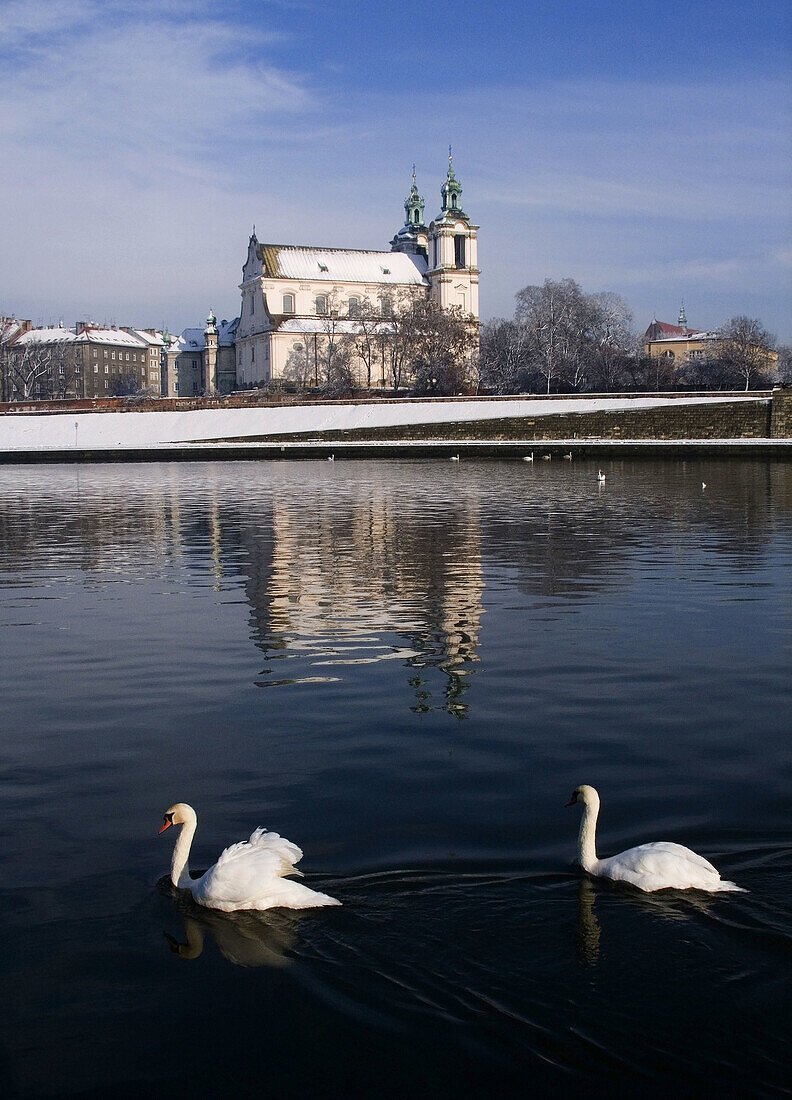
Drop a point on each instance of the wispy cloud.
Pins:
(141, 140)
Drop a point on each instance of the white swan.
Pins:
(600, 477)
(248, 875)
(528, 458)
(659, 866)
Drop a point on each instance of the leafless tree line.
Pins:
(562, 340)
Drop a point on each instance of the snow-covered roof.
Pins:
(153, 339)
(117, 336)
(689, 337)
(194, 339)
(52, 334)
(342, 265)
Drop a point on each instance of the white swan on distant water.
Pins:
(659, 866)
(248, 875)
(600, 477)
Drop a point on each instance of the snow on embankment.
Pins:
(132, 430)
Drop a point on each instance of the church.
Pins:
(292, 294)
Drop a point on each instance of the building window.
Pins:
(127, 359)
(112, 356)
(107, 369)
(252, 353)
(96, 368)
(288, 303)
(252, 305)
(354, 307)
(459, 250)
(321, 305)
(387, 306)
(105, 353)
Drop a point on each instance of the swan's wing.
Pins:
(249, 875)
(268, 850)
(659, 866)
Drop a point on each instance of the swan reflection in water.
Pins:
(670, 905)
(246, 938)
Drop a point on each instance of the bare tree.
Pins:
(506, 364)
(38, 369)
(366, 336)
(559, 318)
(745, 348)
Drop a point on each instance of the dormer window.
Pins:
(288, 303)
(386, 271)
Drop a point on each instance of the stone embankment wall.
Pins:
(781, 415)
(728, 420)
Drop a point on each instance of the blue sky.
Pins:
(641, 149)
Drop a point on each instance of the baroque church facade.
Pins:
(292, 294)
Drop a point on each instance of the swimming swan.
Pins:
(248, 875)
(658, 866)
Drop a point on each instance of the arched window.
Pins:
(415, 217)
(668, 354)
(288, 303)
(321, 305)
(354, 307)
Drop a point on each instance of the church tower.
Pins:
(453, 251)
(412, 237)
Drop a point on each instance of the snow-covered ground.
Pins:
(150, 430)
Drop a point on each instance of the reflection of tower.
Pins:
(348, 575)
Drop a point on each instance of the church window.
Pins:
(459, 250)
(354, 307)
(253, 353)
(415, 217)
(288, 303)
(321, 305)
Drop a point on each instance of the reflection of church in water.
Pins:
(361, 581)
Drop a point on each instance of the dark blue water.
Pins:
(405, 667)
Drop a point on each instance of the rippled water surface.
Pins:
(405, 667)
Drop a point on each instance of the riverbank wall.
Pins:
(647, 423)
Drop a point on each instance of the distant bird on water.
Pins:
(703, 485)
(547, 458)
(331, 458)
(601, 477)
(568, 457)
(455, 458)
(528, 458)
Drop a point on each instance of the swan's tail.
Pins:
(729, 887)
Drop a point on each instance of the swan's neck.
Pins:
(180, 871)
(587, 846)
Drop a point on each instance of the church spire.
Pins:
(682, 317)
(414, 205)
(451, 191)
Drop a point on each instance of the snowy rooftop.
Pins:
(194, 339)
(52, 334)
(684, 339)
(342, 265)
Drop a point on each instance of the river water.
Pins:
(405, 667)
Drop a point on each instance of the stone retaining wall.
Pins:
(726, 420)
